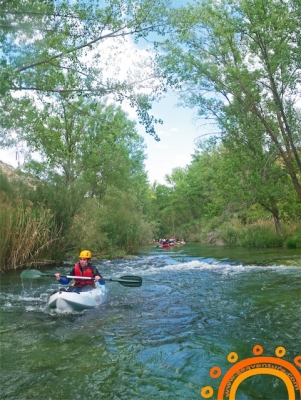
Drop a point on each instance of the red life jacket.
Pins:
(88, 272)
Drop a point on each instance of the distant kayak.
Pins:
(73, 301)
(166, 245)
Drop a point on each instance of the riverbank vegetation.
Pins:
(83, 182)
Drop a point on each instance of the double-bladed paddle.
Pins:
(127, 280)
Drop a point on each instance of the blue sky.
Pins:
(177, 135)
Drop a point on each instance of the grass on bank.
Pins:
(258, 234)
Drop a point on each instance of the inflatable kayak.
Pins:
(90, 297)
(74, 301)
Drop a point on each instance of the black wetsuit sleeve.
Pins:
(96, 272)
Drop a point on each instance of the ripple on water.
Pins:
(157, 341)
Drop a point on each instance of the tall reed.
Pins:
(27, 233)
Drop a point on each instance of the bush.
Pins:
(114, 226)
(262, 235)
(292, 243)
(231, 237)
(230, 232)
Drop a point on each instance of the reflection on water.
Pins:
(197, 304)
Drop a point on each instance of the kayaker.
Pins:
(83, 268)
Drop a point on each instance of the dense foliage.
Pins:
(71, 48)
(238, 62)
(220, 198)
(62, 89)
(60, 83)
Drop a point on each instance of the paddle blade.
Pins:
(32, 274)
(128, 280)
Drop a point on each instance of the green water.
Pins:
(197, 304)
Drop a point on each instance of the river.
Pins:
(201, 311)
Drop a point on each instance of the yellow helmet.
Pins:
(85, 254)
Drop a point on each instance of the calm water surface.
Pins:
(197, 305)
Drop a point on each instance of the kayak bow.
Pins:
(65, 301)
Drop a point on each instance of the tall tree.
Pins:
(236, 58)
(162, 209)
(84, 149)
(85, 140)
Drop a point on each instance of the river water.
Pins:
(199, 307)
